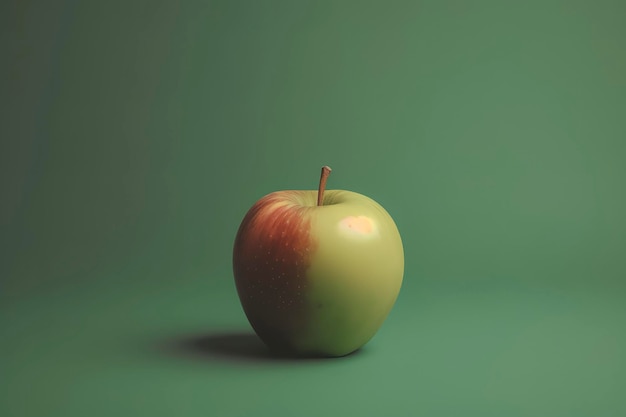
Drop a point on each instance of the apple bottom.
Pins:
(346, 303)
(328, 326)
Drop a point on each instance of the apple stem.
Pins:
(323, 178)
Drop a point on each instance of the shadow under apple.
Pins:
(231, 346)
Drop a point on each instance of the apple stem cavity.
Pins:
(323, 178)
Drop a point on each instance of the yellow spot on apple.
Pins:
(358, 225)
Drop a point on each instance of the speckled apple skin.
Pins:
(317, 280)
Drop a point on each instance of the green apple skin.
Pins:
(317, 280)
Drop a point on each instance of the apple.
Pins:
(317, 272)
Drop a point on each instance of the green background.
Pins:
(135, 136)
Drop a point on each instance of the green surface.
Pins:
(135, 136)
